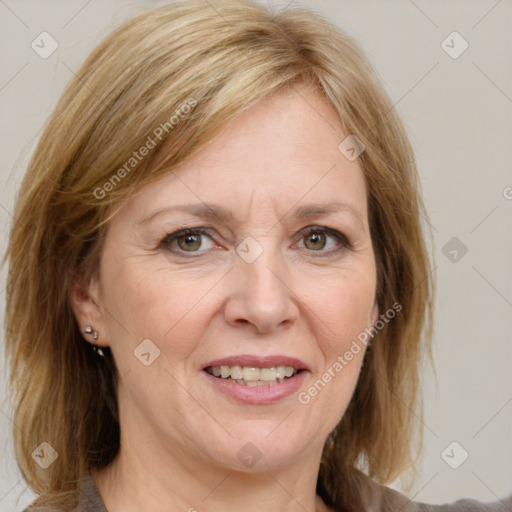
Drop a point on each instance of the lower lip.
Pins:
(258, 395)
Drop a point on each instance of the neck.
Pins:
(146, 480)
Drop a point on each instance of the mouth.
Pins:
(257, 380)
(253, 375)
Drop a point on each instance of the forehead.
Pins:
(281, 151)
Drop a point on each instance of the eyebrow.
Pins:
(214, 212)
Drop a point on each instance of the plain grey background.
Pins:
(457, 108)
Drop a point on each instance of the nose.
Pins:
(261, 295)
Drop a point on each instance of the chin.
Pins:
(261, 452)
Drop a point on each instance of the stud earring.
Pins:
(89, 330)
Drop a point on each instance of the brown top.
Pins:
(382, 499)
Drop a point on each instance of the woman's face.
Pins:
(249, 287)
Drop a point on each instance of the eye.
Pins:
(188, 240)
(316, 238)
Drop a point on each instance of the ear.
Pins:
(85, 302)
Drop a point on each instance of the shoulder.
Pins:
(376, 498)
(467, 505)
(379, 498)
(86, 498)
(388, 500)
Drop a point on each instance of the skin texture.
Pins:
(302, 297)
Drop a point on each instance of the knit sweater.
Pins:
(382, 499)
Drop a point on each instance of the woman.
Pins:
(217, 293)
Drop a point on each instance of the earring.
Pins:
(89, 330)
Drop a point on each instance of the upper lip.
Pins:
(259, 361)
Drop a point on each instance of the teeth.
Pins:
(253, 376)
(280, 372)
(251, 373)
(236, 372)
(269, 373)
(288, 371)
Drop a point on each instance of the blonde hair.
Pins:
(219, 62)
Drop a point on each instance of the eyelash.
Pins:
(342, 239)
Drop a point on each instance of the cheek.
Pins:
(345, 306)
(145, 301)
(345, 312)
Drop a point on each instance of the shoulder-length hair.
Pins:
(177, 75)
